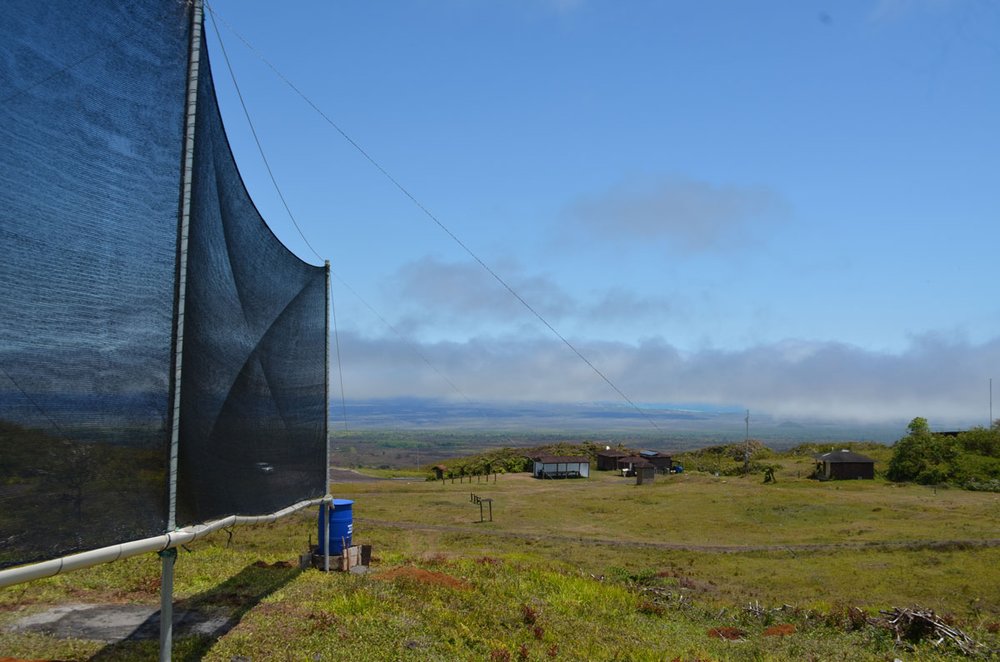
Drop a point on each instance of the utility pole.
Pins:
(746, 447)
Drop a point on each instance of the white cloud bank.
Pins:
(942, 379)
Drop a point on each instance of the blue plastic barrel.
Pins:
(341, 525)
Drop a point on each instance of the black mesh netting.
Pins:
(92, 99)
(253, 404)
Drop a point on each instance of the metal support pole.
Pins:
(746, 448)
(325, 512)
(167, 559)
(180, 292)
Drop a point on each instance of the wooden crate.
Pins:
(351, 557)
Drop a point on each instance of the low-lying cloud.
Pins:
(941, 379)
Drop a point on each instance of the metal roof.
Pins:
(636, 461)
(843, 456)
(561, 459)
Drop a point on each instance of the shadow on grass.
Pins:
(199, 621)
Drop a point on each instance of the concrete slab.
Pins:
(112, 623)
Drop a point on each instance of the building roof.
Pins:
(648, 454)
(636, 461)
(843, 456)
(561, 459)
(612, 453)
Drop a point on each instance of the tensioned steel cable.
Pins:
(402, 337)
(340, 363)
(256, 138)
(270, 173)
(333, 309)
(402, 189)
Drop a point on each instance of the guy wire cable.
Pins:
(333, 309)
(438, 222)
(256, 139)
(401, 337)
(270, 173)
(340, 364)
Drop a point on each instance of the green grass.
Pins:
(596, 569)
(411, 474)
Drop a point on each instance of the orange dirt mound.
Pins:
(779, 630)
(727, 633)
(423, 576)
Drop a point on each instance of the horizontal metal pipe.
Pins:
(124, 550)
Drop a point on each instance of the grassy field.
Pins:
(598, 569)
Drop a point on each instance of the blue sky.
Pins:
(789, 206)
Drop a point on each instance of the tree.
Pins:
(922, 456)
(919, 427)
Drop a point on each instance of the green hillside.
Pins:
(595, 569)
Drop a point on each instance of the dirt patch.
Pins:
(488, 561)
(350, 476)
(730, 634)
(779, 630)
(409, 572)
(276, 564)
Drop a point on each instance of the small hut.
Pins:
(661, 461)
(607, 460)
(629, 466)
(843, 465)
(439, 471)
(560, 466)
(645, 473)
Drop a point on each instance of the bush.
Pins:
(970, 458)
(981, 441)
(968, 468)
(922, 456)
